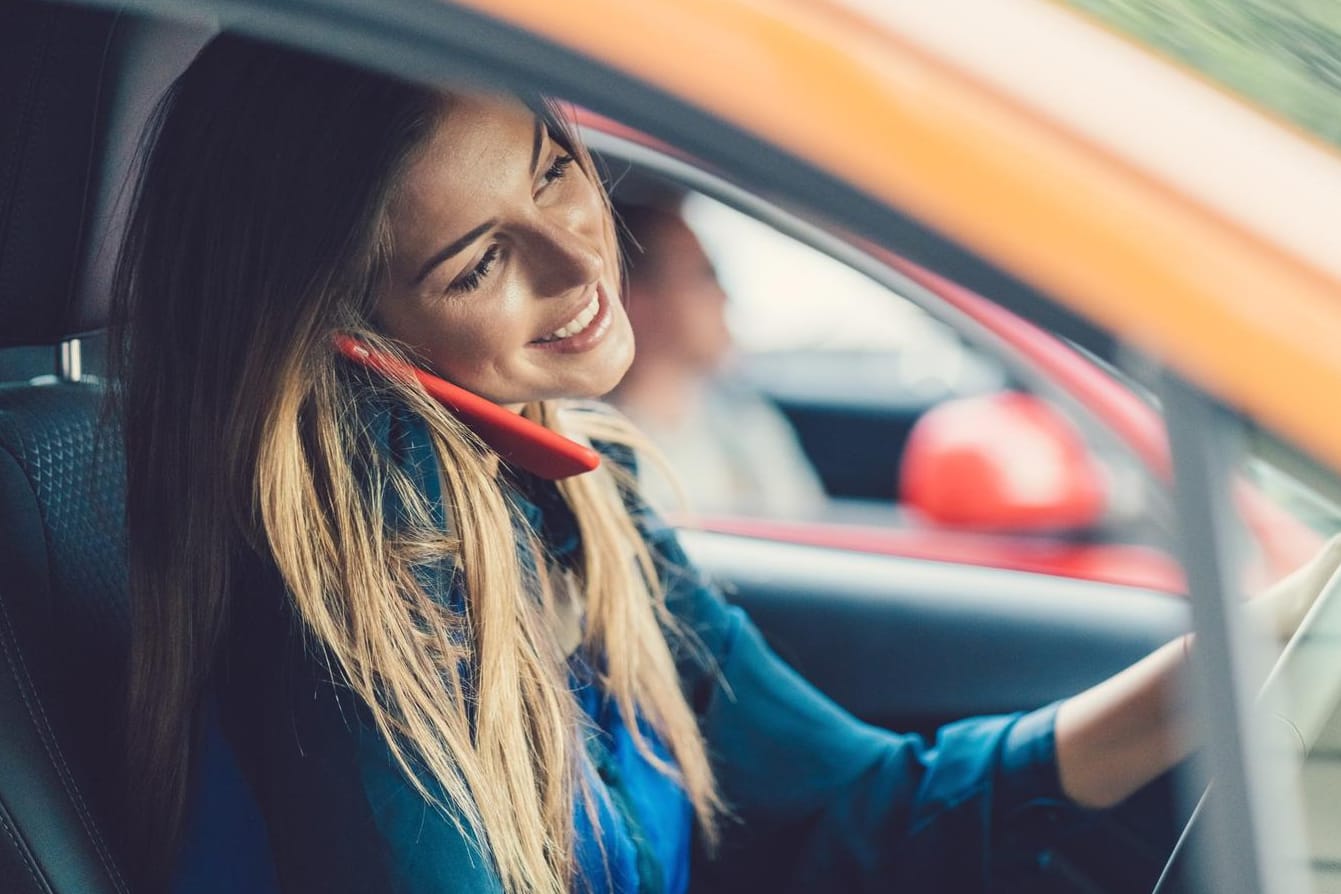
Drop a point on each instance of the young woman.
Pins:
(437, 671)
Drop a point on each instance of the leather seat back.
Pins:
(62, 637)
(63, 605)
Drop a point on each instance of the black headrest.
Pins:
(76, 86)
(51, 67)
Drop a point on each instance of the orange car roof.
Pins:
(1189, 225)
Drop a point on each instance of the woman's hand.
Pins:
(1282, 607)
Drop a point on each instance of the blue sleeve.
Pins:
(822, 801)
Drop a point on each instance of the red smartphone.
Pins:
(518, 440)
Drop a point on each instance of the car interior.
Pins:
(904, 643)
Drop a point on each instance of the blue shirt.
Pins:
(819, 801)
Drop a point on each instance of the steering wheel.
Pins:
(1304, 691)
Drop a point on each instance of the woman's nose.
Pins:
(567, 255)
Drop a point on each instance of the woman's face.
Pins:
(503, 274)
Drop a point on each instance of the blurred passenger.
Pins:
(730, 449)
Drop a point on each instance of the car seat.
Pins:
(62, 601)
(65, 118)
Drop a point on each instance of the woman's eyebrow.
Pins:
(451, 249)
(537, 141)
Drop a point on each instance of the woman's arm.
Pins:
(1116, 737)
(821, 801)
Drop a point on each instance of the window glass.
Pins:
(1295, 514)
(851, 365)
(802, 408)
(803, 411)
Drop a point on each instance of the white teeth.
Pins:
(579, 322)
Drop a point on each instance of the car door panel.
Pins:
(907, 643)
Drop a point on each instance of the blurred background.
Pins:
(1280, 54)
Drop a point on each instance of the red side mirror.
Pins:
(1004, 461)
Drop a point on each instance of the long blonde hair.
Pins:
(258, 232)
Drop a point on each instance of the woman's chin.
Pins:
(614, 360)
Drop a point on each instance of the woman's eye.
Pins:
(557, 169)
(470, 280)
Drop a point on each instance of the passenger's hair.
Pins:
(258, 231)
(639, 224)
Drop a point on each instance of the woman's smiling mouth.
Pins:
(583, 331)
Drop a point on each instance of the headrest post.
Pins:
(71, 368)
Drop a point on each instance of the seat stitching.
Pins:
(28, 692)
(44, 725)
(25, 854)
